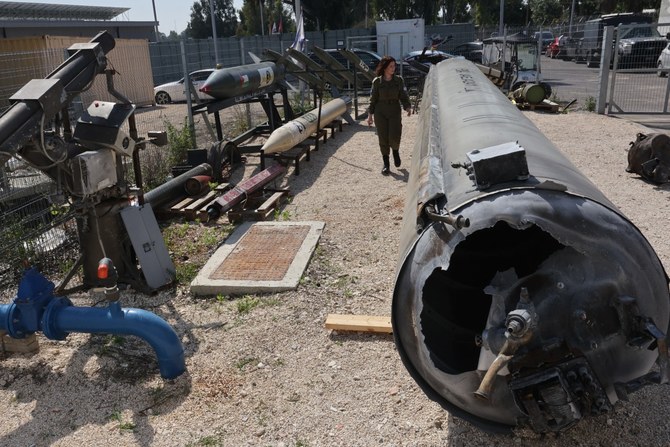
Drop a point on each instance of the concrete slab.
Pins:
(259, 257)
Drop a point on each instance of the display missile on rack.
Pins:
(296, 131)
(236, 81)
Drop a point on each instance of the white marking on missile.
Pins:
(267, 75)
(294, 132)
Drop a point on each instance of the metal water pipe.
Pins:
(35, 308)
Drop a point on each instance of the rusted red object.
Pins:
(197, 184)
(553, 49)
(242, 190)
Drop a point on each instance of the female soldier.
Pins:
(388, 92)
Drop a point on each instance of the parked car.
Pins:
(554, 48)
(547, 37)
(663, 62)
(371, 59)
(415, 65)
(472, 51)
(176, 91)
(426, 57)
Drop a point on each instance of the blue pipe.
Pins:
(35, 308)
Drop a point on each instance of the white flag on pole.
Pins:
(299, 42)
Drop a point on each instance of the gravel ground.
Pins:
(274, 376)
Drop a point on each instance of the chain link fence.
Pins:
(39, 224)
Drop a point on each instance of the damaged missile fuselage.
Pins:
(523, 296)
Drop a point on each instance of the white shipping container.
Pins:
(398, 37)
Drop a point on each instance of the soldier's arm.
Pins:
(374, 96)
(404, 96)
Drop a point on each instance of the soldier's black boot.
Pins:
(396, 158)
(385, 169)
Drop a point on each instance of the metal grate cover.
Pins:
(264, 254)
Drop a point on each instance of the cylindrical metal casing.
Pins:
(550, 232)
(297, 130)
(197, 184)
(236, 81)
(174, 188)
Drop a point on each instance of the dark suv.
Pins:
(472, 51)
(639, 43)
(371, 59)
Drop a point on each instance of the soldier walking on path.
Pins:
(388, 93)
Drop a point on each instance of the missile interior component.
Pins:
(523, 297)
(294, 132)
(236, 81)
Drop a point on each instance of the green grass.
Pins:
(247, 303)
(240, 364)
(186, 272)
(206, 441)
(116, 416)
(590, 104)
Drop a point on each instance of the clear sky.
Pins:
(173, 15)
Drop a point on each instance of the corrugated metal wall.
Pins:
(27, 58)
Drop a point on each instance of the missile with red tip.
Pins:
(236, 81)
(297, 130)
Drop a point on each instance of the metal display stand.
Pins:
(263, 96)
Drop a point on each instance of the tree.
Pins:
(200, 26)
(272, 12)
(455, 11)
(545, 12)
(333, 14)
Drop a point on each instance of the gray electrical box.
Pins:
(93, 171)
(498, 164)
(150, 249)
(100, 126)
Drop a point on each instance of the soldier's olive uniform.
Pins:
(385, 100)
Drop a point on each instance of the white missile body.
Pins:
(296, 131)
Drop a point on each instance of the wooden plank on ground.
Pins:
(179, 206)
(271, 202)
(361, 323)
(23, 345)
(192, 210)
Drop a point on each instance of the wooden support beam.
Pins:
(361, 323)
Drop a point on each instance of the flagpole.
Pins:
(260, 5)
(216, 50)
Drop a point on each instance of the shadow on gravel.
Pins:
(309, 170)
(106, 378)
(342, 336)
(67, 399)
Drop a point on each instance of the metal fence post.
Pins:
(246, 105)
(187, 87)
(603, 81)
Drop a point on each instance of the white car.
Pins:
(663, 62)
(176, 91)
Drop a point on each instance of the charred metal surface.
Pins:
(649, 156)
(550, 305)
